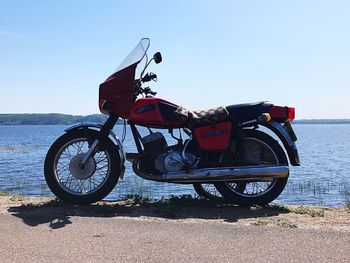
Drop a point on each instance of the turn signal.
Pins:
(265, 117)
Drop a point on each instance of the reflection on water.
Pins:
(323, 177)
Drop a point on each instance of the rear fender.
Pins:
(287, 140)
(98, 127)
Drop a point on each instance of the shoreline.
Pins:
(70, 119)
(296, 122)
(181, 209)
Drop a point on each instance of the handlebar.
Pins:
(149, 77)
(147, 91)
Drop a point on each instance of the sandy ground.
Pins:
(44, 230)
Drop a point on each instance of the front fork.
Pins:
(103, 134)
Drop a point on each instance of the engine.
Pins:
(163, 157)
(172, 162)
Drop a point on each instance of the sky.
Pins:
(54, 54)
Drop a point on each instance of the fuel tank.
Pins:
(155, 112)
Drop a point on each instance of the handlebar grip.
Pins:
(149, 77)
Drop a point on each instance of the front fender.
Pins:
(287, 140)
(98, 126)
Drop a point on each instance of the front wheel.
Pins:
(81, 185)
(258, 149)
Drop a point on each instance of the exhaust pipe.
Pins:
(228, 174)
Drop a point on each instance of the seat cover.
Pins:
(236, 113)
(203, 117)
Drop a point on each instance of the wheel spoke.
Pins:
(102, 170)
(101, 160)
(256, 152)
(67, 154)
(76, 180)
(103, 175)
(92, 182)
(78, 147)
(259, 187)
(62, 169)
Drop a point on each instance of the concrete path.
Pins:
(55, 234)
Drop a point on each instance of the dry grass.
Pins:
(304, 210)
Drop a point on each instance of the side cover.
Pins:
(214, 137)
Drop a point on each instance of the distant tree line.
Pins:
(48, 119)
(65, 119)
(322, 121)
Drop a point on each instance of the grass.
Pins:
(347, 206)
(286, 224)
(170, 207)
(259, 223)
(167, 207)
(2, 193)
(135, 199)
(71, 209)
(17, 198)
(304, 210)
(13, 197)
(279, 207)
(188, 201)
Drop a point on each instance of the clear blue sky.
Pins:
(54, 54)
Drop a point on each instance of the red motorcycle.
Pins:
(223, 146)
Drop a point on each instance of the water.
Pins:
(322, 179)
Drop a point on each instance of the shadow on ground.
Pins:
(57, 213)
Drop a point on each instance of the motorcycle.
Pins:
(223, 147)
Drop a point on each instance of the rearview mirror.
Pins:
(157, 57)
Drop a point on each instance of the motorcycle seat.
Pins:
(202, 117)
(247, 111)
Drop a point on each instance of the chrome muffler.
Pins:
(227, 174)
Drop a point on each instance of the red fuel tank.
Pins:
(155, 112)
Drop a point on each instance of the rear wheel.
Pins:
(258, 149)
(208, 191)
(74, 184)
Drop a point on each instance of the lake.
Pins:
(323, 178)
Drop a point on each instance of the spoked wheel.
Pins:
(71, 182)
(259, 149)
(209, 191)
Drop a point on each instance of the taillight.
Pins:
(280, 113)
(291, 113)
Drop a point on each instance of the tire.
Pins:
(208, 191)
(73, 184)
(260, 144)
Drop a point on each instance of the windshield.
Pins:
(136, 55)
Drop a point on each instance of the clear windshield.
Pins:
(136, 55)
